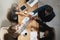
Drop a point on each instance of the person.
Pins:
(12, 16)
(45, 14)
(49, 32)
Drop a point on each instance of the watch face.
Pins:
(23, 7)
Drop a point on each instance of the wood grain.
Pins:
(33, 25)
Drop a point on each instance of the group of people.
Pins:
(45, 14)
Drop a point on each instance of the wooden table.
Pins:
(33, 25)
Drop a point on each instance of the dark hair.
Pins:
(11, 16)
(10, 30)
(48, 8)
(43, 16)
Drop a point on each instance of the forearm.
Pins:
(23, 25)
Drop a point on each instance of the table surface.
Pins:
(32, 25)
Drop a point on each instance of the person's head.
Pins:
(48, 9)
(11, 16)
(46, 14)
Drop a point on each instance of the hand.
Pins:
(30, 15)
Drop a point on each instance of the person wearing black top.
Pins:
(45, 14)
(12, 16)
